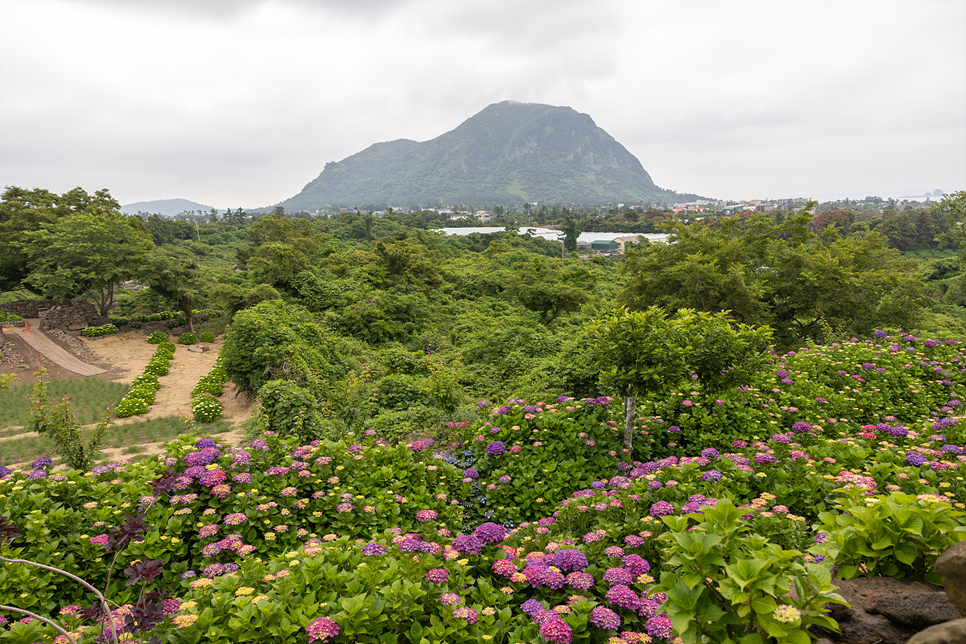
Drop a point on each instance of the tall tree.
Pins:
(780, 275)
(86, 254)
(21, 211)
(174, 274)
(569, 230)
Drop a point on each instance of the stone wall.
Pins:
(70, 318)
(32, 309)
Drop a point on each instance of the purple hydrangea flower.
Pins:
(373, 549)
(580, 580)
(620, 482)
(661, 509)
(490, 533)
(426, 515)
(556, 631)
(496, 448)
(615, 576)
(569, 560)
(636, 564)
(761, 459)
(660, 626)
(42, 463)
(603, 617)
(623, 597)
(467, 544)
(915, 459)
(438, 575)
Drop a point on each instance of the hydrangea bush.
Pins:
(206, 408)
(99, 331)
(359, 541)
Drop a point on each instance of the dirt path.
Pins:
(129, 353)
(124, 356)
(53, 351)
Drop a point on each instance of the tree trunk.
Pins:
(630, 415)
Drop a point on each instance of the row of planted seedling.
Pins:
(205, 405)
(141, 395)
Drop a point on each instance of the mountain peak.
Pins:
(509, 152)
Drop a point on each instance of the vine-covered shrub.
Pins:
(206, 408)
(157, 337)
(290, 410)
(99, 331)
(274, 339)
(187, 338)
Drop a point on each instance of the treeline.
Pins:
(476, 316)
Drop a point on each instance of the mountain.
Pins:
(164, 207)
(508, 153)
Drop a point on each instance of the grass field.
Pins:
(89, 398)
(130, 437)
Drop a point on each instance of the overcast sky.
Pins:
(241, 103)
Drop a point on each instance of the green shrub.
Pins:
(9, 317)
(98, 331)
(7, 380)
(158, 365)
(898, 535)
(206, 408)
(131, 406)
(395, 426)
(157, 337)
(206, 336)
(726, 583)
(400, 391)
(187, 338)
(148, 379)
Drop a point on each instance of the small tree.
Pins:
(642, 352)
(56, 420)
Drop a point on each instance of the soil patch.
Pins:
(124, 356)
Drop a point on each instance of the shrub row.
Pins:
(157, 337)
(99, 331)
(165, 316)
(205, 407)
(141, 394)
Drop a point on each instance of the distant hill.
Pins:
(508, 153)
(164, 207)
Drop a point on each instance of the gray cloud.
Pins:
(242, 102)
